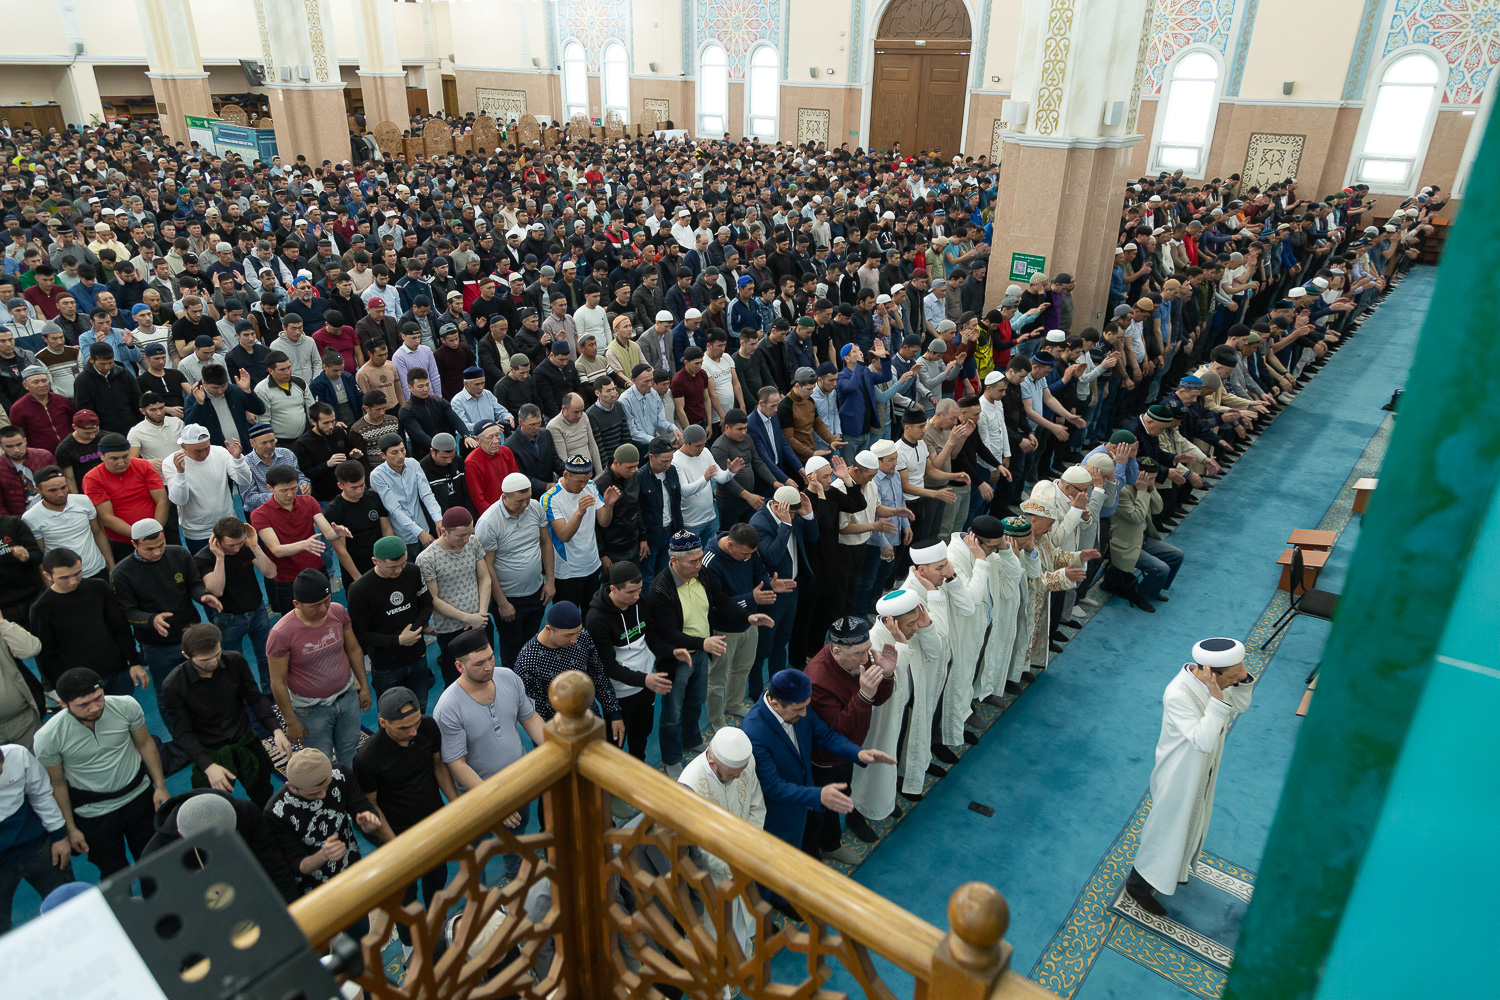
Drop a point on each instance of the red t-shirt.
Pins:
(485, 473)
(690, 389)
(128, 493)
(342, 340)
(290, 526)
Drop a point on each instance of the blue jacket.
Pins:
(856, 389)
(785, 771)
(773, 536)
(239, 402)
(322, 391)
(778, 453)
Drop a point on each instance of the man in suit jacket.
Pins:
(783, 732)
(765, 430)
(535, 454)
(239, 401)
(784, 525)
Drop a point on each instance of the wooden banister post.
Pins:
(575, 813)
(974, 953)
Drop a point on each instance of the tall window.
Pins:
(575, 81)
(713, 90)
(616, 81)
(1397, 123)
(765, 101)
(1187, 113)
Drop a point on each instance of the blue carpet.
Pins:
(1066, 766)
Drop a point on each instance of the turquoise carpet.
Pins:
(1067, 767)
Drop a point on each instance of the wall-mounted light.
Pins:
(812, 71)
(1286, 87)
(536, 62)
(653, 66)
(829, 71)
(994, 79)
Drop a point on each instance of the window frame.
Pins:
(1163, 104)
(605, 92)
(571, 108)
(1358, 156)
(775, 69)
(700, 116)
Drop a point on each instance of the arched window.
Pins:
(713, 90)
(1397, 123)
(575, 81)
(616, 81)
(1185, 117)
(762, 94)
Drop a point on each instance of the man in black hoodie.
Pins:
(108, 390)
(614, 623)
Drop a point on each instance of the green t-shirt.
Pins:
(101, 759)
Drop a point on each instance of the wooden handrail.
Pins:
(811, 886)
(330, 908)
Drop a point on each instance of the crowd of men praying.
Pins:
(747, 433)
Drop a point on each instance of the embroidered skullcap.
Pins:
(883, 447)
(1056, 337)
(579, 464)
(515, 482)
(850, 631)
(815, 464)
(1077, 475)
(731, 747)
(897, 603)
(1219, 652)
(787, 495)
(684, 542)
(1035, 507)
(1016, 527)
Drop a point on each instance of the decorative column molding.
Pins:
(1056, 44)
(1140, 66)
(309, 112)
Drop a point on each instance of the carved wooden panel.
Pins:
(415, 147)
(524, 958)
(1271, 157)
(485, 133)
(614, 125)
(683, 932)
(463, 144)
(234, 114)
(388, 137)
(578, 128)
(925, 19)
(265, 123)
(648, 120)
(551, 136)
(528, 130)
(437, 137)
(812, 125)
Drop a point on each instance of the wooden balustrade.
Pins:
(632, 910)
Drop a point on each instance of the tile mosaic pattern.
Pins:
(1465, 32)
(1180, 23)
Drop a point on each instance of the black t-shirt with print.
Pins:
(363, 521)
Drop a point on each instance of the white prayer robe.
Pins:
(743, 798)
(945, 605)
(978, 581)
(1030, 563)
(873, 787)
(1193, 727)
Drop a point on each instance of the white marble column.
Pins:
(382, 81)
(174, 65)
(307, 99)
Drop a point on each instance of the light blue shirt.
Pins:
(258, 492)
(404, 494)
(127, 356)
(827, 406)
(888, 488)
(644, 414)
(473, 411)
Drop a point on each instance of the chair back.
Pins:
(1299, 581)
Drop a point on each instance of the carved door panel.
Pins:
(940, 125)
(894, 101)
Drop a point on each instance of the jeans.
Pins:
(727, 674)
(773, 642)
(257, 625)
(415, 676)
(706, 530)
(334, 729)
(513, 861)
(656, 557)
(193, 544)
(36, 868)
(1158, 563)
(159, 661)
(682, 709)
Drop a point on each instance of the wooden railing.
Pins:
(631, 912)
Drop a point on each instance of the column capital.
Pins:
(1072, 142)
(176, 76)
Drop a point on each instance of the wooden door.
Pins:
(894, 101)
(917, 99)
(450, 96)
(940, 124)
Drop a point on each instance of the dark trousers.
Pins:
(415, 676)
(656, 556)
(110, 833)
(281, 595)
(35, 867)
(258, 789)
(431, 884)
(929, 511)
(579, 589)
(515, 633)
(824, 833)
(446, 668)
(775, 643)
(638, 711)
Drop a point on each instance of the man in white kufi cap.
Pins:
(1197, 709)
(901, 621)
(948, 602)
(724, 774)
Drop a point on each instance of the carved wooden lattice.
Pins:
(681, 934)
(528, 130)
(437, 137)
(234, 114)
(647, 121)
(614, 125)
(925, 19)
(493, 931)
(485, 134)
(463, 143)
(551, 136)
(415, 147)
(578, 128)
(265, 123)
(388, 138)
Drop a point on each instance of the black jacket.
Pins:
(115, 397)
(249, 823)
(552, 384)
(489, 360)
(536, 459)
(653, 497)
(624, 531)
(664, 618)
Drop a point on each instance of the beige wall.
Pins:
(844, 105)
(678, 92)
(984, 111)
(543, 96)
(1280, 52)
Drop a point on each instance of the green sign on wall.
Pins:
(1024, 265)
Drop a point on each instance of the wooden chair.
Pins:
(1305, 600)
(1363, 489)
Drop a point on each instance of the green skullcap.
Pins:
(390, 547)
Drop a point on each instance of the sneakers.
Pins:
(674, 771)
(846, 854)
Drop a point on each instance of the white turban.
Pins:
(897, 603)
(1219, 653)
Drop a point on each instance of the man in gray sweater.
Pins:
(745, 492)
(607, 417)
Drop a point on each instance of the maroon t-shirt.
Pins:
(690, 389)
(290, 526)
